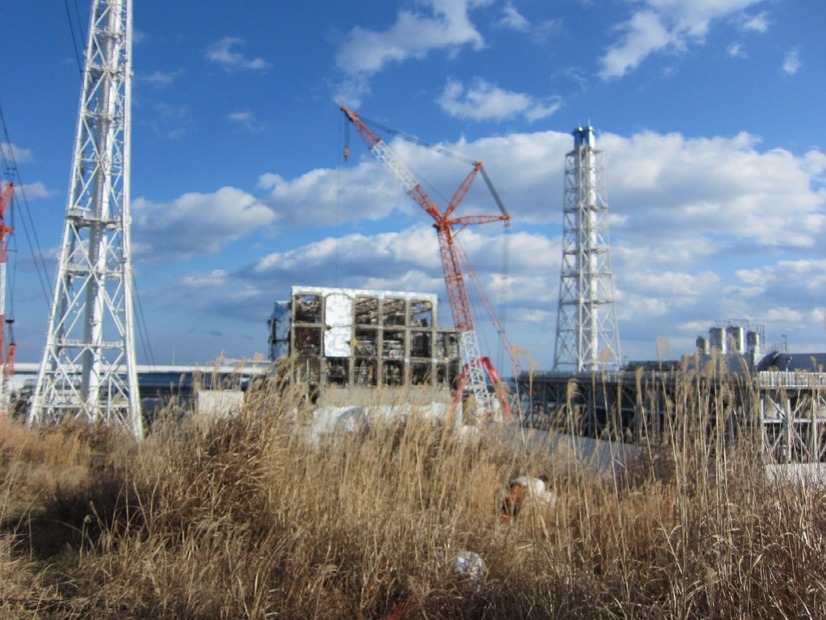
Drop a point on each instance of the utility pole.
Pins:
(88, 369)
(587, 338)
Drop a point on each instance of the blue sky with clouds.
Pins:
(709, 113)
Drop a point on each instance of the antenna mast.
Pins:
(587, 338)
(88, 369)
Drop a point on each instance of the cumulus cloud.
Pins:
(196, 224)
(484, 101)
(512, 19)
(716, 188)
(328, 197)
(445, 25)
(686, 215)
(247, 120)
(224, 54)
(666, 25)
(791, 62)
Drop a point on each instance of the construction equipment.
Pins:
(447, 227)
(7, 360)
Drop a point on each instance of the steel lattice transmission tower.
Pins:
(88, 368)
(587, 338)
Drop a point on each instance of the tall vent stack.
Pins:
(587, 337)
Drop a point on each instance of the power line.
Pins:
(13, 174)
(72, 26)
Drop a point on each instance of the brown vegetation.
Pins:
(251, 518)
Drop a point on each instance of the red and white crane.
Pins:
(6, 356)
(447, 225)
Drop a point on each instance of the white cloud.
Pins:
(759, 22)
(512, 19)
(196, 224)
(791, 62)
(720, 189)
(643, 34)
(34, 191)
(665, 25)
(687, 214)
(15, 153)
(485, 101)
(161, 78)
(223, 54)
(213, 279)
(413, 35)
(736, 50)
(247, 120)
(362, 192)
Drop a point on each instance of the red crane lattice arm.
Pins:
(7, 358)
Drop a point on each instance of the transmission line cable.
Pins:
(72, 26)
(11, 169)
(146, 343)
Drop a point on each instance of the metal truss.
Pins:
(587, 337)
(793, 416)
(88, 369)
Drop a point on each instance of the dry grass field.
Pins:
(248, 518)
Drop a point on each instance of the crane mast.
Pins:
(475, 369)
(6, 356)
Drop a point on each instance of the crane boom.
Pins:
(475, 367)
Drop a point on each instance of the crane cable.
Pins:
(497, 317)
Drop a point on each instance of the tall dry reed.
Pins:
(255, 517)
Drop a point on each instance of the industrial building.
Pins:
(353, 346)
(361, 341)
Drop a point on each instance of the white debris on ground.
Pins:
(536, 489)
(470, 566)
(354, 419)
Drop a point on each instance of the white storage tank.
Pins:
(717, 338)
(738, 337)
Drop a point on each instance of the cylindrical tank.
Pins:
(717, 338)
(738, 335)
(753, 341)
(702, 345)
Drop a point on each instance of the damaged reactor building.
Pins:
(346, 343)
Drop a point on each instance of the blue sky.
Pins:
(710, 114)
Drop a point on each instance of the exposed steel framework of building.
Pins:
(88, 368)
(587, 337)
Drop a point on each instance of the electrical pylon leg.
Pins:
(88, 369)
